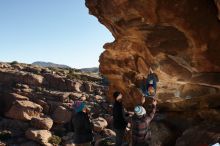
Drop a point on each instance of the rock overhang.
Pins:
(180, 40)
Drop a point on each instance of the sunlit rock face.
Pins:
(179, 39)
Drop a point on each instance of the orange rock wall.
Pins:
(179, 39)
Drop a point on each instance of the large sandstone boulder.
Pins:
(62, 115)
(194, 90)
(44, 123)
(33, 69)
(180, 41)
(61, 83)
(109, 119)
(83, 97)
(17, 127)
(64, 97)
(161, 135)
(7, 99)
(24, 110)
(74, 85)
(10, 77)
(199, 103)
(53, 105)
(40, 136)
(205, 134)
(165, 35)
(75, 96)
(15, 96)
(33, 79)
(4, 65)
(108, 133)
(42, 103)
(55, 82)
(99, 124)
(88, 87)
(98, 97)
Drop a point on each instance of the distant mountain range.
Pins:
(92, 69)
(50, 64)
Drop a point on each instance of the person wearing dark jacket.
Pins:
(119, 120)
(82, 126)
(149, 85)
(140, 125)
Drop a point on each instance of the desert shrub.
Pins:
(55, 140)
(40, 89)
(71, 71)
(84, 78)
(74, 76)
(107, 142)
(14, 62)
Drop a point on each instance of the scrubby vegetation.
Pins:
(55, 140)
(14, 62)
(107, 142)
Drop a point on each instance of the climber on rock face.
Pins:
(141, 133)
(82, 125)
(119, 118)
(149, 86)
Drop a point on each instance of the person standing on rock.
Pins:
(140, 125)
(82, 125)
(119, 118)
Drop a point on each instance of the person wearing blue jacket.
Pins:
(149, 87)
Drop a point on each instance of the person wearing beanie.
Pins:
(82, 125)
(140, 125)
(119, 118)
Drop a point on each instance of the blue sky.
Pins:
(59, 31)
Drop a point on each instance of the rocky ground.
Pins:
(36, 109)
(36, 104)
(179, 39)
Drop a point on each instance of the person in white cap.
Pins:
(140, 125)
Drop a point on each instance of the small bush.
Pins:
(55, 140)
(107, 142)
(74, 76)
(14, 62)
(40, 89)
(84, 78)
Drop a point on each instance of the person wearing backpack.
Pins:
(82, 125)
(119, 118)
(140, 125)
